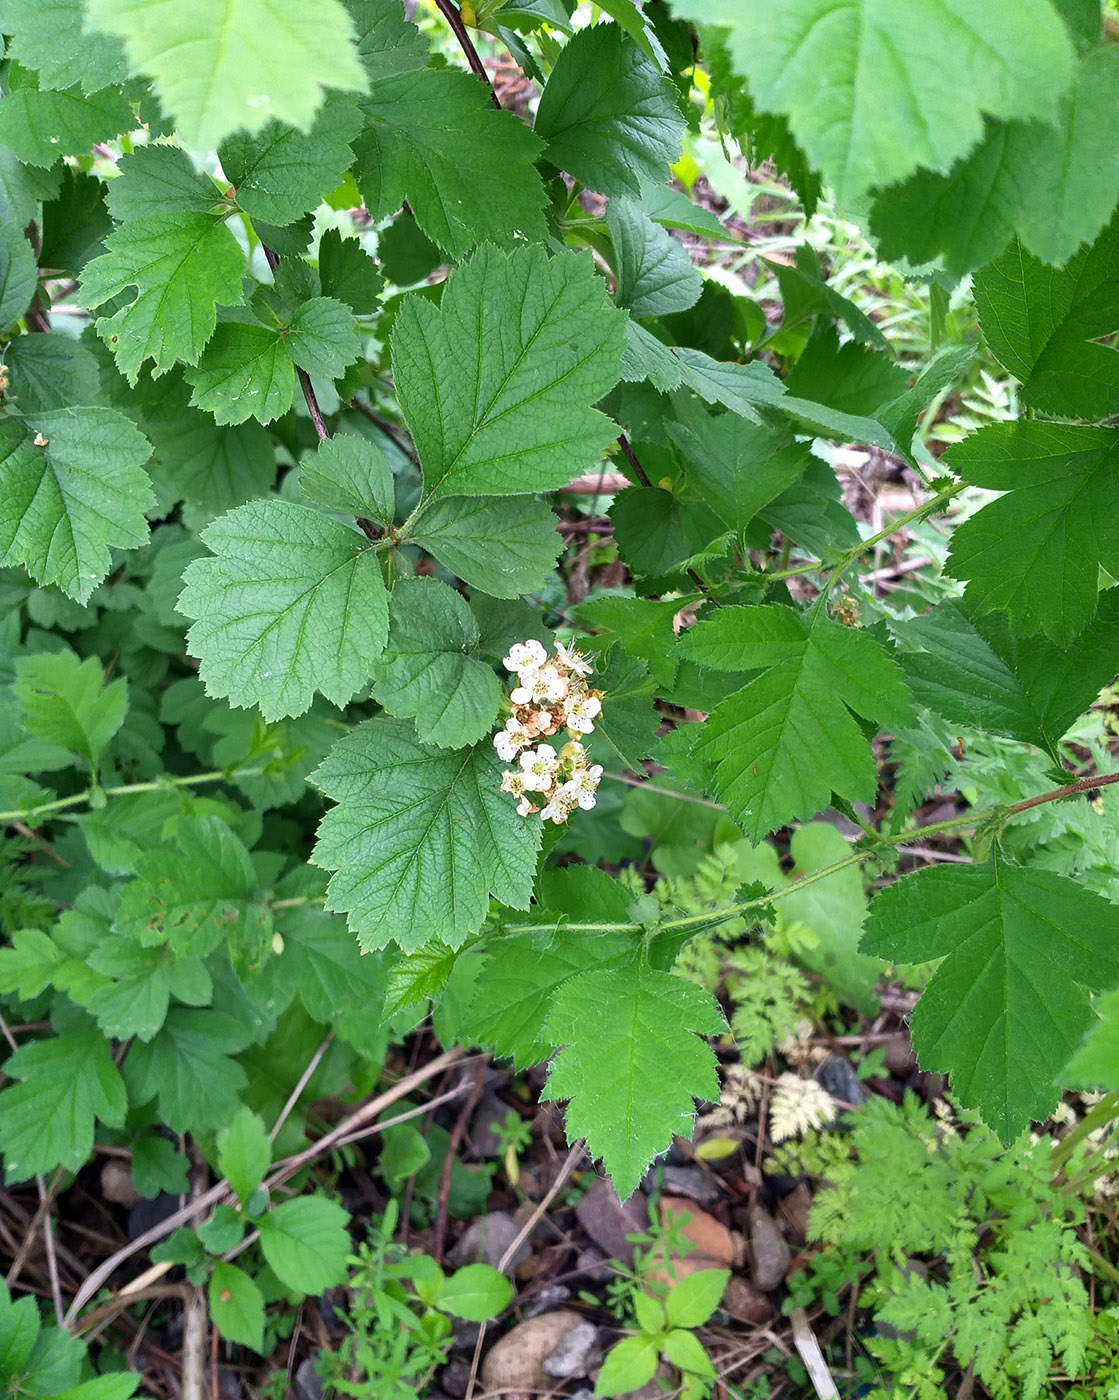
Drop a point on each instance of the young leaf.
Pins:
(65, 701)
(498, 381)
(306, 1244)
(1045, 324)
(432, 137)
(420, 837)
(428, 671)
(609, 115)
(183, 264)
(72, 485)
(630, 1065)
(46, 1119)
(280, 172)
(655, 273)
(505, 547)
(237, 65)
(18, 273)
(1009, 1005)
(187, 1066)
(244, 1153)
(785, 742)
(630, 1365)
(1060, 482)
(692, 1301)
(862, 98)
(237, 1306)
(475, 1293)
(290, 602)
(350, 473)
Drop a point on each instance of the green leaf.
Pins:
(974, 673)
(657, 530)
(292, 602)
(655, 275)
(862, 97)
(644, 628)
(1045, 324)
(692, 1301)
(67, 702)
(187, 1066)
(1096, 1063)
(18, 273)
(627, 1366)
(1060, 482)
(852, 378)
(321, 958)
(244, 1153)
(630, 1065)
(46, 1119)
(348, 273)
(475, 1293)
(428, 671)
(53, 39)
(42, 126)
(237, 1306)
(238, 64)
(135, 1002)
(279, 172)
(505, 547)
(65, 500)
(387, 42)
(306, 1244)
(1009, 1005)
(195, 894)
(158, 179)
(420, 837)
(789, 739)
(49, 371)
(685, 1351)
(741, 388)
(156, 1167)
(626, 727)
(1054, 186)
(350, 473)
(182, 264)
(609, 115)
(432, 137)
(497, 383)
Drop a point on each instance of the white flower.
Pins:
(562, 805)
(539, 766)
(539, 685)
(525, 808)
(584, 785)
(513, 782)
(522, 655)
(580, 711)
(797, 1105)
(506, 745)
(574, 660)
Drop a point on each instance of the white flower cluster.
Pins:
(550, 695)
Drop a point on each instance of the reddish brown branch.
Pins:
(450, 13)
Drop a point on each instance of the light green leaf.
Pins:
(1046, 326)
(609, 115)
(475, 1293)
(497, 383)
(631, 1065)
(505, 547)
(654, 272)
(182, 265)
(1009, 1005)
(195, 894)
(18, 273)
(420, 837)
(350, 473)
(50, 35)
(741, 388)
(239, 63)
(279, 172)
(1053, 186)
(432, 137)
(685, 1350)
(789, 739)
(855, 80)
(72, 485)
(41, 127)
(156, 1167)
(387, 42)
(187, 1066)
(1096, 1063)
(292, 602)
(428, 671)
(245, 372)
(320, 337)
(1060, 482)
(67, 702)
(237, 1306)
(306, 1244)
(629, 1365)
(244, 1153)
(643, 626)
(46, 1119)
(692, 1301)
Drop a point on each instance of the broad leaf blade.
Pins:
(505, 547)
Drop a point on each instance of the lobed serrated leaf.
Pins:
(506, 547)
(68, 702)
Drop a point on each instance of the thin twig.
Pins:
(301, 374)
(390, 430)
(293, 1097)
(458, 1132)
(450, 13)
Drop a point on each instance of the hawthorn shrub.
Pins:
(306, 333)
